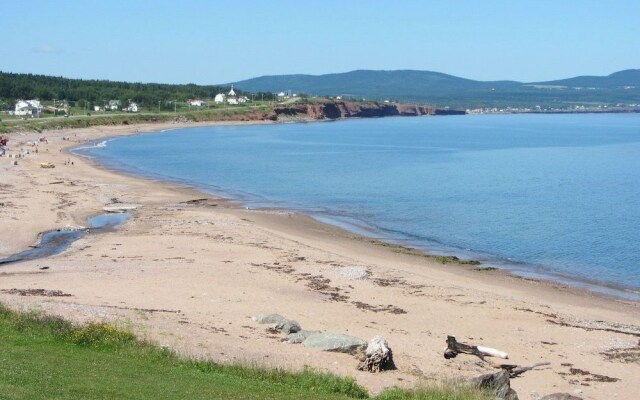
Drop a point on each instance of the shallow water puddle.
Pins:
(55, 242)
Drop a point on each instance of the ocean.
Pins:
(551, 196)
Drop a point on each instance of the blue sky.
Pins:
(209, 42)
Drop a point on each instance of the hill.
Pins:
(448, 90)
(425, 87)
(620, 79)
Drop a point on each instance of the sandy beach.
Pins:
(190, 275)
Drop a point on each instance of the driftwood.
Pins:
(513, 372)
(454, 348)
(378, 356)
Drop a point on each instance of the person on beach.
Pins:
(3, 145)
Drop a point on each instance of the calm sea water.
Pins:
(551, 195)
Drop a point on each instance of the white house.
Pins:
(28, 107)
(114, 105)
(220, 98)
(96, 108)
(197, 103)
(133, 107)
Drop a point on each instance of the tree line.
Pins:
(15, 86)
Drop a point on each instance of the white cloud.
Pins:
(46, 49)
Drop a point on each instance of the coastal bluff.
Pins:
(348, 109)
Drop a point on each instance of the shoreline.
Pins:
(518, 269)
(266, 261)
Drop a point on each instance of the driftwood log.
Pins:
(379, 356)
(454, 348)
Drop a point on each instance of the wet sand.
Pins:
(189, 275)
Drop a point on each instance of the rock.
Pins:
(288, 326)
(335, 342)
(269, 319)
(498, 383)
(279, 322)
(300, 336)
(378, 356)
(560, 396)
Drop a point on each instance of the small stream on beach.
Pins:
(55, 242)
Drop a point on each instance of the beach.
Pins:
(189, 270)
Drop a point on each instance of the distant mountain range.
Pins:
(448, 90)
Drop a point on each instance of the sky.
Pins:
(213, 42)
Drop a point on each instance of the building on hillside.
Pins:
(31, 108)
(220, 98)
(232, 98)
(197, 103)
(115, 105)
(133, 108)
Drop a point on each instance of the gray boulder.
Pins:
(498, 383)
(301, 336)
(335, 342)
(269, 319)
(288, 326)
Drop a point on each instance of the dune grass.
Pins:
(43, 357)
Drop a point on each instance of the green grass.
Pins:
(48, 358)
(219, 113)
(446, 391)
(45, 357)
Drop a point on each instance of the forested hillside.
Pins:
(45, 88)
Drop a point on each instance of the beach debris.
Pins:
(47, 165)
(379, 356)
(120, 208)
(623, 353)
(560, 396)
(514, 370)
(454, 348)
(498, 383)
(335, 342)
(36, 292)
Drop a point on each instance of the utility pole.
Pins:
(175, 106)
(158, 106)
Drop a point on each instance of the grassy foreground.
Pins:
(45, 357)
